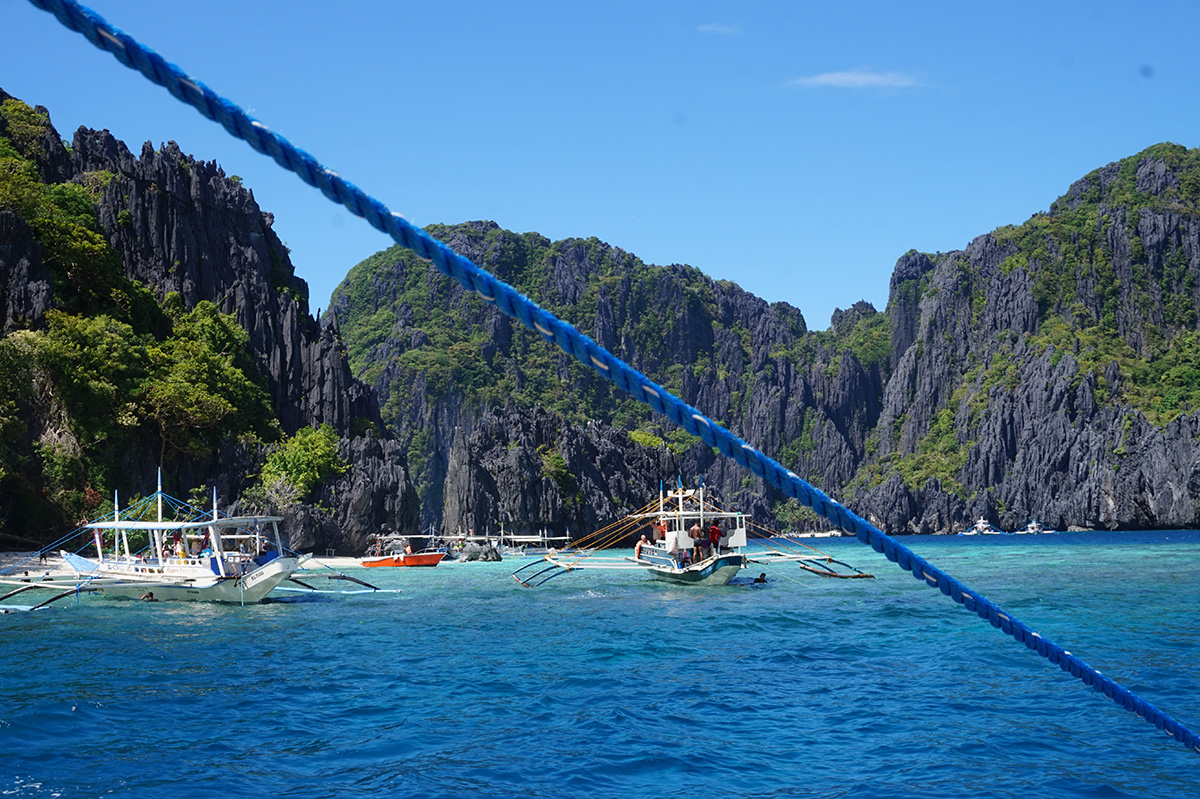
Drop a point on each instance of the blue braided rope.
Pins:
(191, 91)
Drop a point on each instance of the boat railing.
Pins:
(658, 557)
(235, 562)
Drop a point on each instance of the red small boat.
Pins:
(406, 559)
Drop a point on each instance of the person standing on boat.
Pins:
(637, 548)
(714, 538)
(697, 535)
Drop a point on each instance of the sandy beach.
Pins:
(26, 563)
(315, 563)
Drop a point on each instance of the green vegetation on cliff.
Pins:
(1113, 279)
(109, 369)
(444, 340)
(95, 387)
(297, 465)
(86, 273)
(1110, 290)
(406, 326)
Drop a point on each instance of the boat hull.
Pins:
(425, 559)
(715, 571)
(250, 588)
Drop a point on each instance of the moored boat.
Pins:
(393, 549)
(406, 559)
(689, 541)
(532, 546)
(693, 542)
(196, 556)
(982, 527)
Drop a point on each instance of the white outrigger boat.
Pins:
(214, 559)
(531, 546)
(671, 553)
(1033, 528)
(982, 527)
(506, 543)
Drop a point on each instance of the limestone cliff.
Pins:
(177, 224)
(442, 360)
(1050, 367)
(1049, 370)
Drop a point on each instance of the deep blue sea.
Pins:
(607, 684)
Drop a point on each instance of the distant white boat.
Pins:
(1033, 528)
(532, 546)
(982, 527)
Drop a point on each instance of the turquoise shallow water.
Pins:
(610, 685)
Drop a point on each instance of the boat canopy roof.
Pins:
(228, 521)
(535, 539)
(707, 513)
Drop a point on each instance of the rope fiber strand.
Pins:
(191, 91)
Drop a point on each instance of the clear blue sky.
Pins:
(797, 149)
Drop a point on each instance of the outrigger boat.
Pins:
(666, 552)
(982, 527)
(214, 559)
(532, 546)
(506, 543)
(1033, 528)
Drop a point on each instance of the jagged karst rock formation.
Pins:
(181, 225)
(531, 471)
(978, 337)
(1010, 380)
(746, 362)
(25, 291)
(1049, 369)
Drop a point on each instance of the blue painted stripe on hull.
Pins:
(718, 572)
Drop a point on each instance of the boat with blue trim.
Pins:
(683, 539)
(199, 555)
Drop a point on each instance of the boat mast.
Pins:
(156, 537)
(123, 533)
(679, 523)
(214, 537)
(117, 518)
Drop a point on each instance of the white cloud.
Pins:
(721, 30)
(861, 78)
